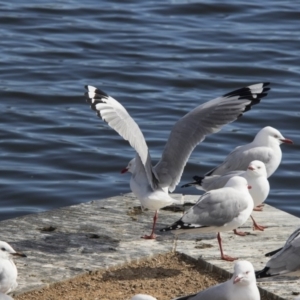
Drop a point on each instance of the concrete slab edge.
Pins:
(215, 269)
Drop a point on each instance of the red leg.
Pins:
(256, 226)
(258, 208)
(240, 233)
(152, 236)
(224, 257)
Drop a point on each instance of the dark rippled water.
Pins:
(160, 59)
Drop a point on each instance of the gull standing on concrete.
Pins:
(8, 270)
(265, 147)
(256, 176)
(151, 184)
(284, 261)
(141, 297)
(241, 286)
(217, 210)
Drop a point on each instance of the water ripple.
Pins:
(160, 60)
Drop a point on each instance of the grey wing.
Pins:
(287, 260)
(205, 119)
(117, 117)
(214, 182)
(293, 237)
(217, 292)
(188, 297)
(215, 208)
(240, 158)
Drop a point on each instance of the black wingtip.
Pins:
(262, 273)
(188, 184)
(177, 225)
(93, 96)
(98, 92)
(198, 179)
(269, 254)
(250, 93)
(180, 225)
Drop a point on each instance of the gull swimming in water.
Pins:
(149, 183)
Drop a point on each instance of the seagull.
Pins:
(241, 286)
(265, 147)
(284, 261)
(141, 297)
(149, 183)
(5, 297)
(256, 175)
(8, 270)
(218, 210)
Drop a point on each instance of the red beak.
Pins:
(237, 279)
(249, 187)
(124, 171)
(251, 168)
(287, 141)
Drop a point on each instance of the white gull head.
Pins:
(6, 251)
(130, 167)
(270, 136)
(244, 273)
(257, 169)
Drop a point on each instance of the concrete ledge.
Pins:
(103, 234)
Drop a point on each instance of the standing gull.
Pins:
(256, 175)
(151, 184)
(8, 270)
(241, 286)
(284, 261)
(265, 147)
(217, 210)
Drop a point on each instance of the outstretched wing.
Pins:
(205, 119)
(117, 117)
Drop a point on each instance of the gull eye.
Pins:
(259, 167)
(276, 136)
(3, 249)
(247, 272)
